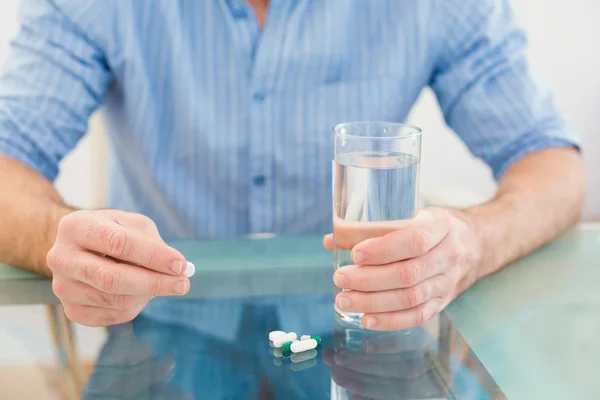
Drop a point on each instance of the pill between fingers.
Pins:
(190, 269)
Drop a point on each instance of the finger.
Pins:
(348, 234)
(126, 244)
(396, 299)
(397, 320)
(328, 242)
(422, 234)
(83, 294)
(98, 316)
(397, 275)
(112, 277)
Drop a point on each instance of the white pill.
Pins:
(303, 345)
(305, 337)
(190, 269)
(275, 334)
(288, 337)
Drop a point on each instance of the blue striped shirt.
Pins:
(220, 129)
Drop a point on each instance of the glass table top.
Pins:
(525, 333)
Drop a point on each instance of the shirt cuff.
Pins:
(527, 145)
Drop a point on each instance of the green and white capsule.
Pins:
(306, 337)
(303, 345)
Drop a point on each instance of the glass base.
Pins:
(350, 318)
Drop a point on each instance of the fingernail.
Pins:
(371, 322)
(180, 287)
(176, 266)
(344, 302)
(359, 257)
(341, 280)
(190, 269)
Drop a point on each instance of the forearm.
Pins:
(538, 198)
(30, 209)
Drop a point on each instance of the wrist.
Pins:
(477, 251)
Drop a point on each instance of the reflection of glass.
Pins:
(375, 184)
(431, 362)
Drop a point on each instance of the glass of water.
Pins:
(375, 185)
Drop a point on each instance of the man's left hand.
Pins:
(407, 276)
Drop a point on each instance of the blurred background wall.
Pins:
(562, 36)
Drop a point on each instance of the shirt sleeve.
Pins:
(485, 86)
(54, 77)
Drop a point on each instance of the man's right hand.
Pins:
(107, 265)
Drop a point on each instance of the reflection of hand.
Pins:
(127, 369)
(405, 277)
(390, 366)
(107, 265)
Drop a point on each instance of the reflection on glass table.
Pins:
(532, 326)
(149, 359)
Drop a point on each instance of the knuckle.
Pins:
(117, 243)
(107, 280)
(72, 313)
(455, 254)
(68, 223)
(420, 317)
(413, 296)
(54, 259)
(408, 275)
(147, 222)
(59, 288)
(420, 242)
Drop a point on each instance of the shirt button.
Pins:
(259, 180)
(259, 97)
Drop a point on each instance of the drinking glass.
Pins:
(375, 185)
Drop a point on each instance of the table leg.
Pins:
(64, 344)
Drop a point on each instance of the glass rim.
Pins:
(416, 130)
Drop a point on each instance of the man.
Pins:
(219, 112)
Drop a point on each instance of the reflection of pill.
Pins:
(275, 352)
(303, 345)
(190, 269)
(278, 362)
(305, 355)
(289, 337)
(275, 334)
(303, 365)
